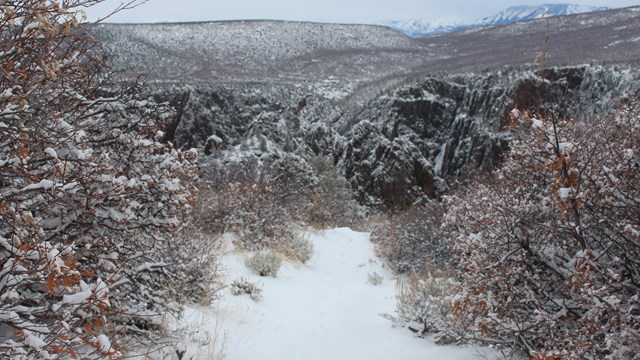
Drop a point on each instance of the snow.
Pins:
(439, 159)
(324, 309)
(51, 152)
(566, 148)
(522, 13)
(565, 193)
(423, 27)
(79, 297)
(104, 343)
(537, 123)
(33, 340)
(43, 184)
(216, 139)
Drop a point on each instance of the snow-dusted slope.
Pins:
(322, 310)
(293, 52)
(238, 48)
(421, 27)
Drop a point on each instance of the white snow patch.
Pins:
(43, 184)
(566, 148)
(322, 310)
(105, 344)
(49, 151)
(33, 340)
(537, 123)
(565, 193)
(79, 297)
(628, 154)
(216, 139)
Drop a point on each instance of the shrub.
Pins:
(374, 278)
(250, 209)
(90, 193)
(243, 286)
(265, 263)
(548, 246)
(196, 265)
(423, 302)
(331, 201)
(409, 240)
(261, 206)
(297, 246)
(292, 179)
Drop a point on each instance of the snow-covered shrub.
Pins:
(411, 239)
(256, 215)
(195, 256)
(248, 208)
(243, 286)
(89, 192)
(298, 246)
(423, 301)
(331, 201)
(291, 180)
(261, 206)
(374, 278)
(548, 246)
(265, 263)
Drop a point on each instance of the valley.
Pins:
(426, 107)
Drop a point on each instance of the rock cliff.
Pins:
(405, 143)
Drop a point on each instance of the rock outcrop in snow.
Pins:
(405, 143)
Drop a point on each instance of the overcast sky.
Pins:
(342, 11)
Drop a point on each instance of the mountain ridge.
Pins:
(347, 56)
(420, 27)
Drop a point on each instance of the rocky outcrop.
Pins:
(404, 144)
(409, 142)
(385, 172)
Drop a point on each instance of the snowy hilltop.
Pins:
(422, 27)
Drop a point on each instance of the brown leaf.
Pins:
(23, 152)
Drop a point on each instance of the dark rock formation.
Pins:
(403, 144)
(407, 143)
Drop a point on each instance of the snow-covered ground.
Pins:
(324, 309)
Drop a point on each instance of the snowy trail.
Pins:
(323, 310)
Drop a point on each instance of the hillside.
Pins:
(248, 50)
(279, 51)
(608, 36)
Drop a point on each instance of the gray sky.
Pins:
(342, 11)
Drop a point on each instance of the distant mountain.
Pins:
(523, 13)
(421, 27)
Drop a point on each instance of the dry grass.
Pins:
(423, 300)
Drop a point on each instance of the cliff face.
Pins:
(403, 144)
